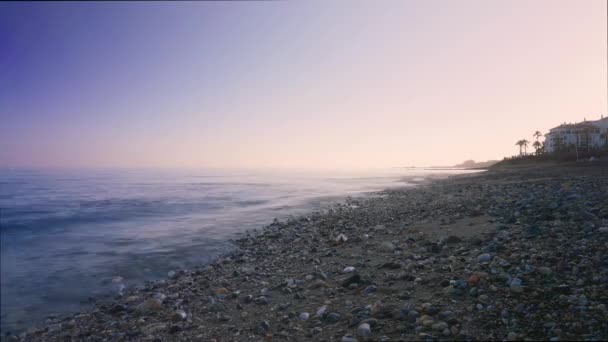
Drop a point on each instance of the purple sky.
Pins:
(292, 84)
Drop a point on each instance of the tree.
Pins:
(537, 135)
(520, 143)
(525, 144)
(537, 145)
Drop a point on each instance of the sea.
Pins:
(69, 238)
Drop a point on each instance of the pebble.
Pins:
(178, 316)
(349, 338)
(364, 331)
(515, 285)
(484, 257)
(387, 246)
(149, 305)
(341, 238)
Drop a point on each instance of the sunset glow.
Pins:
(311, 84)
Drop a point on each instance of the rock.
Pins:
(512, 336)
(354, 279)
(317, 284)
(263, 328)
(132, 299)
(54, 327)
(221, 291)
(439, 326)
(341, 238)
(484, 257)
(348, 269)
(387, 246)
(333, 317)
(364, 331)
(149, 306)
(377, 309)
(304, 316)
(321, 311)
(160, 296)
(172, 274)
(174, 328)
(348, 338)
(154, 328)
(261, 300)
(178, 316)
(118, 308)
(473, 280)
(515, 285)
(452, 239)
(370, 289)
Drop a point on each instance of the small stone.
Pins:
(160, 296)
(515, 285)
(261, 300)
(178, 316)
(348, 269)
(355, 278)
(512, 336)
(118, 308)
(149, 305)
(172, 274)
(370, 289)
(473, 280)
(349, 338)
(131, 299)
(387, 246)
(377, 308)
(317, 284)
(304, 316)
(333, 317)
(341, 238)
(484, 257)
(221, 291)
(364, 331)
(439, 326)
(321, 310)
(153, 328)
(453, 239)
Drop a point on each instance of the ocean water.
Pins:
(66, 234)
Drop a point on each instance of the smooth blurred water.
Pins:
(66, 234)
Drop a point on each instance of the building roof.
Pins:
(582, 124)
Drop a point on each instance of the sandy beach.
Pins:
(508, 254)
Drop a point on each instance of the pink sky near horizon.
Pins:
(297, 85)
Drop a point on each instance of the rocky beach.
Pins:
(507, 254)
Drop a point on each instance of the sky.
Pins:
(292, 84)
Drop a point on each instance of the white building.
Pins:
(585, 135)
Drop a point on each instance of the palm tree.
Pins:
(519, 143)
(537, 135)
(537, 145)
(525, 144)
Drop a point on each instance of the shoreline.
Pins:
(424, 262)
